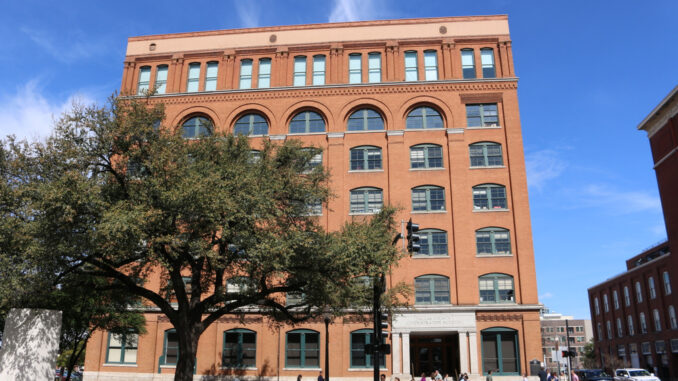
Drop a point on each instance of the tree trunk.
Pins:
(188, 347)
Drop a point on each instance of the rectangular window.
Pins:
(374, 67)
(487, 61)
(354, 68)
(431, 65)
(411, 71)
(366, 200)
(318, 70)
(144, 79)
(667, 283)
(193, 77)
(264, 73)
(300, 71)
(653, 291)
(246, 74)
(171, 348)
(161, 79)
(468, 66)
(211, 76)
(122, 348)
(482, 115)
(359, 357)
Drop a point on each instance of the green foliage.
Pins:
(113, 197)
(589, 355)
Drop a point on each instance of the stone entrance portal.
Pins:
(435, 352)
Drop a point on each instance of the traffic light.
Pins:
(573, 352)
(412, 238)
(565, 354)
(383, 320)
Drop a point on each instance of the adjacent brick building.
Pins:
(556, 329)
(634, 313)
(422, 114)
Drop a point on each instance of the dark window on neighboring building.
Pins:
(365, 158)
(240, 348)
(302, 349)
(424, 117)
(500, 351)
(482, 115)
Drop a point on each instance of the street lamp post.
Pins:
(328, 318)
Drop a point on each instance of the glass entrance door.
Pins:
(430, 353)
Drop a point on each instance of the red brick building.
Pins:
(634, 313)
(422, 114)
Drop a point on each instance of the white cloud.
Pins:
(71, 48)
(353, 10)
(248, 12)
(619, 201)
(542, 166)
(28, 114)
(546, 295)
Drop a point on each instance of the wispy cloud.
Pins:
(619, 201)
(546, 295)
(543, 166)
(28, 114)
(248, 12)
(67, 49)
(353, 10)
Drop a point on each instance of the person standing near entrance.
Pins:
(320, 376)
(542, 374)
(438, 376)
(489, 376)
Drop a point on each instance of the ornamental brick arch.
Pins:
(250, 108)
(306, 105)
(186, 114)
(371, 103)
(429, 101)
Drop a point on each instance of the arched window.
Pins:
(672, 318)
(432, 289)
(615, 299)
(240, 348)
(496, 288)
(359, 357)
(306, 122)
(667, 283)
(650, 286)
(627, 296)
(493, 241)
(144, 79)
(432, 242)
(161, 79)
(596, 305)
(426, 156)
(485, 154)
(302, 349)
(366, 200)
(606, 303)
(657, 320)
(365, 120)
(489, 196)
(251, 124)
(643, 323)
(629, 325)
(608, 326)
(428, 198)
(499, 348)
(170, 349)
(620, 328)
(639, 293)
(365, 158)
(196, 127)
(424, 117)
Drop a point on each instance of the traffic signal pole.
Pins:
(376, 332)
(569, 350)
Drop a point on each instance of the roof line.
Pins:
(655, 110)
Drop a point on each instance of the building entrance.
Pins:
(436, 352)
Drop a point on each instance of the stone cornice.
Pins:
(335, 90)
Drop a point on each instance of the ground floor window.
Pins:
(170, 350)
(359, 357)
(122, 348)
(240, 348)
(302, 349)
(500, 351)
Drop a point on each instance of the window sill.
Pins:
(490, 210)
(362, 213)
(428, 211)
(238, 368)
(363, 131)
(365, 170)
(493, 255)
(496, 303)
(488, 167)
(365, 369)
(427, 169)
(168, 366)
(423, 256)
(425, 129)
(484, 128)
(316, 369)
(306, 133)
(130, 365)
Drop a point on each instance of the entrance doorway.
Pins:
(435, 352)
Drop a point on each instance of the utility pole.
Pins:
(569, 350)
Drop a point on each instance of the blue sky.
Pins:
(589, 71)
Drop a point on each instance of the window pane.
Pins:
(417, 157)
(439, 243)
(483, 242)
(418, 199)
(374, 64)
(435, 156)
(193, 77)
(431, 65)
(358, 356)
(487, 61)
(357, 159)
(161, 79)
(467, 64)
(114, 354)
(211, 76)
(319, 70)
(354, 68)
(437, 196)
(490, 352)
(300, 71)
(246, 74)
(411, 66)
(422, 291)
(509, 358)
(144, 79)
(357, 202)
(264, 73)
